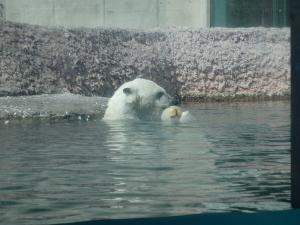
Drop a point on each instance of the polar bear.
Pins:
(175, 114)
(137, 99)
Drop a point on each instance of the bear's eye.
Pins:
(159, 94)
(127, 91)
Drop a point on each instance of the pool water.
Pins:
(233, 157)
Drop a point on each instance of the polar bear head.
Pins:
(137, 99)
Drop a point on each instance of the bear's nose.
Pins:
(176, 100)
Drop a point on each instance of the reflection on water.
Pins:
(235, 157)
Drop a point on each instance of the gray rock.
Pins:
(213, 64)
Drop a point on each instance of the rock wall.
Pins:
(215, 63)
(2, 10)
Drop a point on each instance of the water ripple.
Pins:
(235, 157)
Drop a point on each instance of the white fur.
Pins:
(137, 99)
(186, 117)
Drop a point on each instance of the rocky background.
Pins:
(197, 65)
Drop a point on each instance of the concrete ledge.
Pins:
(196, 64)
(107, 13)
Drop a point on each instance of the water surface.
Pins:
(234, 157)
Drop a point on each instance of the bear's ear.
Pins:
(127, 91)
